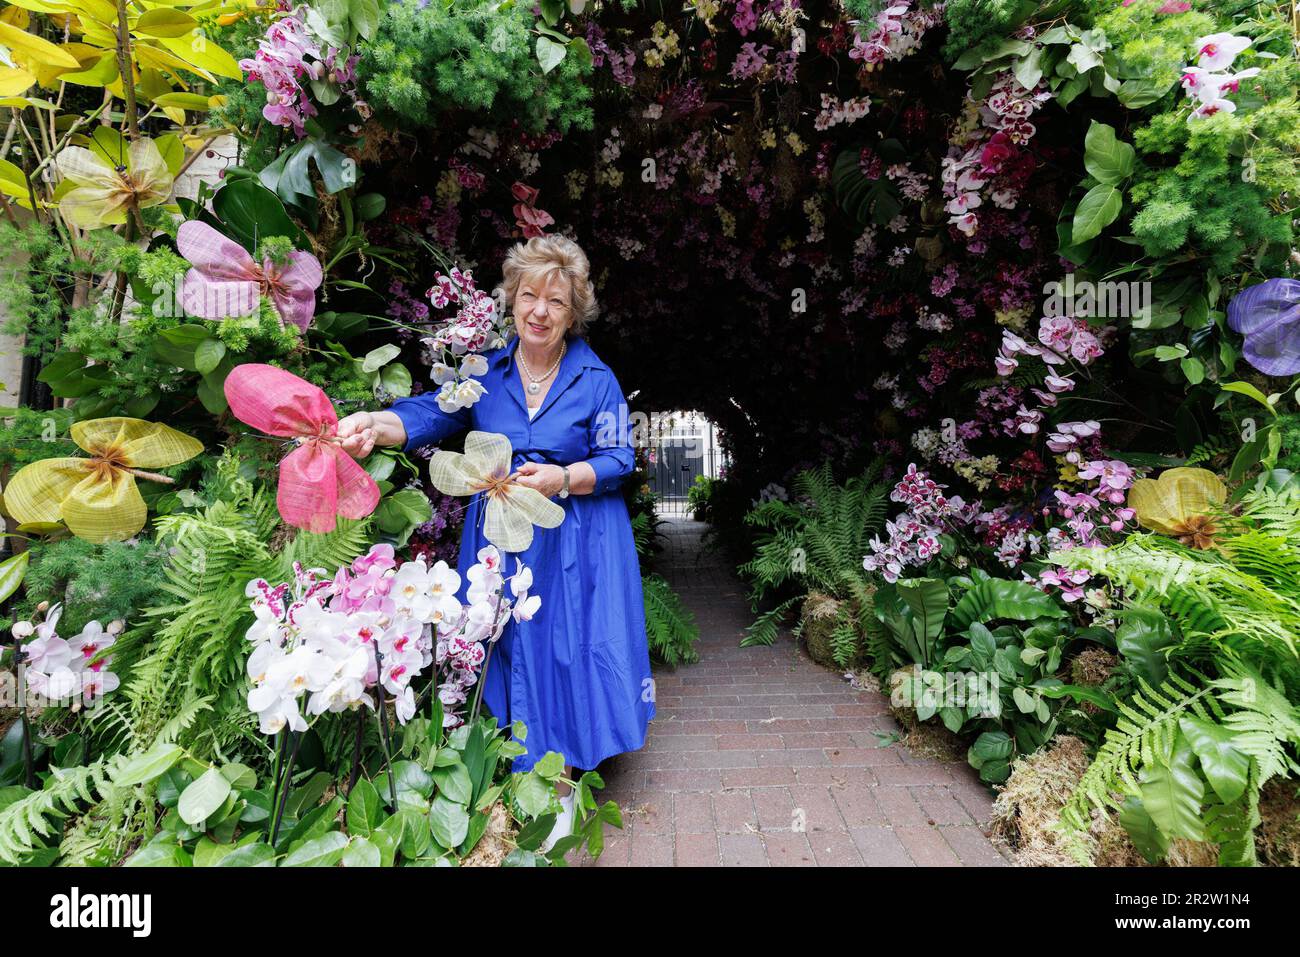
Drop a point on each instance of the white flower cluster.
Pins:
(65, 669)
(1206, 83)
(335, 640)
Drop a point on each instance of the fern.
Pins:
(763, 630)
(670, 627)
(1143, 735)
(29, 823)
(816, 542)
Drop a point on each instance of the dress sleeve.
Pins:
(612, 457)
(425, 423)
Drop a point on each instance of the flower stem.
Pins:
(383, 726)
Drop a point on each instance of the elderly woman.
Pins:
(578, 673)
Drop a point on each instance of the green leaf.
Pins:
(365, 809)
(202, 798)
(375, 359)
(454, 783)
(1226, 768)
(361, 853)
(208, 355)
(143, 768)
(1172, 793)
(1029, 70)
(1099, 207)
(250, 855)
(324, 851)
(549, 53)
(1107, 158)
(1246, 389)
(1142, 831)
(12, 571)
(395, 379)
(448, 821)
(1142, 640)
(532, 792)
(998, 598)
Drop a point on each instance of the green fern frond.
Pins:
(670, 627)
(1144, 734)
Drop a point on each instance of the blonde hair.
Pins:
(538, 260)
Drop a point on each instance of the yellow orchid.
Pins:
(1180, 503)
(97, 497)
(511, 510)
(104, 194)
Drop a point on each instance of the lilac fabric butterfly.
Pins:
(1268, 315)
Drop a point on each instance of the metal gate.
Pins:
(677, 462)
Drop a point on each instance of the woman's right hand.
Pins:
(358, 433)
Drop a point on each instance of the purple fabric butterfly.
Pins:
(1268, 315)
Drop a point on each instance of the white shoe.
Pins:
(563, 823)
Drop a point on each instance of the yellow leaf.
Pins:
(14, 82)
(203, 53)
(101, 11)
(159, 58)
(18, 102)
(17, 16)
(37, 6)
(102, 73)
(13, 182)
(164, 23)
(183, 101)
(36, 48)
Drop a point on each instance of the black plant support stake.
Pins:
(284, 790)
(383, 725)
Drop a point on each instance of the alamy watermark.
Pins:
(1084, 299)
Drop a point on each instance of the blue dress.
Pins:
(577, 674)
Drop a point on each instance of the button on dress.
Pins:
(578, 673)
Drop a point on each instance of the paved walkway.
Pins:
(759, 756)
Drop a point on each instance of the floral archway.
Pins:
(993, 302)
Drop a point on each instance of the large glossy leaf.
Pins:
(203, 797)
(1142, 640)
(997, 599)
(1108, 158)
(1172, 793)
(927, 599)
(1142, 831)
(250, 212)
(1226, 768)
(1099, 207)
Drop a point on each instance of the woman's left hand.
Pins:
(547, 479)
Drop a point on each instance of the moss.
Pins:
(1277, 839)
(819, 616)
(497, 842)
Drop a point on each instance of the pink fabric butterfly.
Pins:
(318, 480)
(226, 281)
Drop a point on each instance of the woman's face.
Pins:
(543, 312)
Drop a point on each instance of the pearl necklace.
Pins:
(534, 382)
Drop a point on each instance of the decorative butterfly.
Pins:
(512, 509)
(97, 497)
(318, 480)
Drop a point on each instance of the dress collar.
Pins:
(577, 357)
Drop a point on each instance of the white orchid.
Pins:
(525, 605)
(1218, 50)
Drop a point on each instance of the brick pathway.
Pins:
(760, 756)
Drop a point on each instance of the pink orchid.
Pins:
(225, 280)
